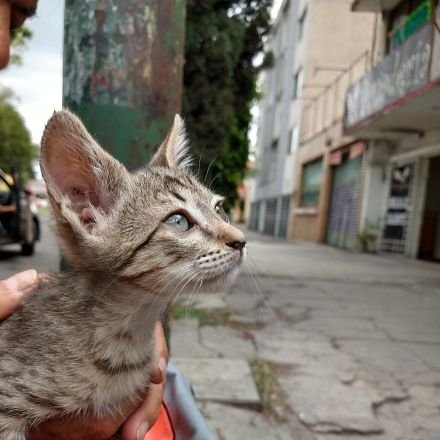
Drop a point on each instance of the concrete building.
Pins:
(395, 108)
(278, 124)
(320, 47)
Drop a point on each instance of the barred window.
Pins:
(311, 183)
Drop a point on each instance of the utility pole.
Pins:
(122, 75)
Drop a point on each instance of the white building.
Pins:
(396, 107)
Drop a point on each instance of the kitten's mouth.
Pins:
(223, 269)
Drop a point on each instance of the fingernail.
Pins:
(21, 281)
(162, 365)
(142, 431)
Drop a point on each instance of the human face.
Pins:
(13, 14)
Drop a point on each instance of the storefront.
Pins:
(343, 218)
(411, 221)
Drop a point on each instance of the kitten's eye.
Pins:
(221, 212)
(179, 222)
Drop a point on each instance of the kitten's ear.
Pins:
(76, 168)
(173, 153)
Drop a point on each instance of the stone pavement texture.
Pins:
(351, 342)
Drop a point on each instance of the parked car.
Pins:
(19, 222)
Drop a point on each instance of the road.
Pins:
(348, 344)
(45, 258)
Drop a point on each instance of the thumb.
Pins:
(13, 289)
(21, 282)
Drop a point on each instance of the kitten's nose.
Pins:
(239, 245)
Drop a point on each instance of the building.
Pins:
(395, 108)
(301, 113)
(279, 111)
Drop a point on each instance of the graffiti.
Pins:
(401, 72)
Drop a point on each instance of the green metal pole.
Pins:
(122, 75)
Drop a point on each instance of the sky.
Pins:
(37, 83)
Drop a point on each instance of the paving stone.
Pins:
(384, 358)
(335, 326)
(326, 405)
(243, 424)
(416, 418)
(205, 301)
(428, 354)
(185, 340)
(227, 342)
(220, 380)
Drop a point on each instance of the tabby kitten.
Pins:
(83, 343)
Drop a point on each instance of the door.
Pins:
(342, 227)
(429, 243)
(399, 209)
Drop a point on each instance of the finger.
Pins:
(138, 424)
(158, 373)
(5, 24)
(22, 281)
(12, 290)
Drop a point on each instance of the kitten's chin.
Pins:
(221, 282)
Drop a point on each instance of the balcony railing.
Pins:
(327, 108)
(403, 72)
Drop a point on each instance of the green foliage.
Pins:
(222, 39)
(19, 40)
(16, 147)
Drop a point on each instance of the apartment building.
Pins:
(395, 108)
(320, 47)
(278, 122)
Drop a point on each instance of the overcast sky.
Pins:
(37, 83)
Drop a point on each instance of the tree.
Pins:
(222, 39)
(16, 147)
(19, 40)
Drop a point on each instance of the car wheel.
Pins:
(28, 249)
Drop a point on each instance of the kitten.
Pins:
(83, 343)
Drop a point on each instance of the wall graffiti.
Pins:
(401, 72)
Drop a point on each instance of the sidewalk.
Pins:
(339, 345)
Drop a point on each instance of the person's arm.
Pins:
(7, 208)
(134, 422)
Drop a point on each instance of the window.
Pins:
(298, 83)
(405, 19)
(301, 25)
(293, 140)
(311, 183)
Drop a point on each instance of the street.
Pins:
(45, 259)
(340, 344)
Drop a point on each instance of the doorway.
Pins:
(429, 244)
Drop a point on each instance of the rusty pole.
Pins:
(122, 72)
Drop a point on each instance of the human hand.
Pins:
(133, 422)
(13, 14)
(14, 288)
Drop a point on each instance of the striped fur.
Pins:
(83, 343)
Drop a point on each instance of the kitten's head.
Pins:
(157, 228)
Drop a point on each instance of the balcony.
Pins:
(373, 5)
(401, 93)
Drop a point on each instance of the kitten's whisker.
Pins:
(194, 292)
(188, 279)
(253, 277)
(215, 177)
(184, 270)
(200, 161)
(209, 167)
